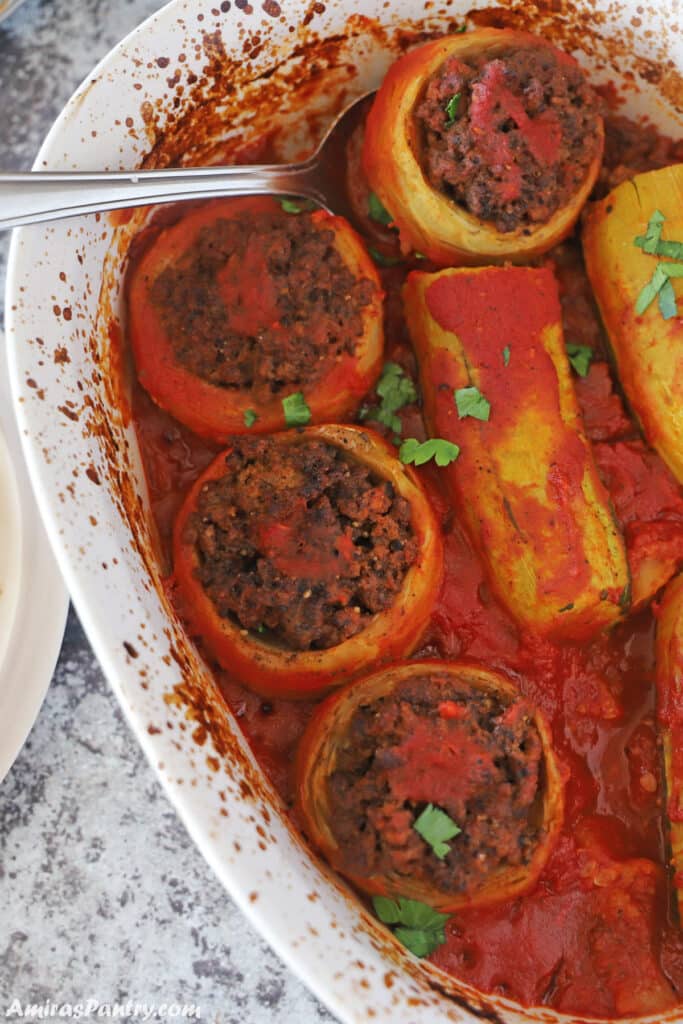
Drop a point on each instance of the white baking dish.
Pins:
(64, 295)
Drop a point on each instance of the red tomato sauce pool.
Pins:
(594, 936)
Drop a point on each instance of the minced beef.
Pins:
(521, 139)
(300, 542)
(261, 302)
(432, 741)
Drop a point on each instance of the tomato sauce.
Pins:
(595, 935)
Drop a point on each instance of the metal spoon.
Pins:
(28, 198)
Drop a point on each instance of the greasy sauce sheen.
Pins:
(594, 936)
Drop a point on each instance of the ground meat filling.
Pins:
(509, 139)
(300, 543)
(264, 303)
(431, 742)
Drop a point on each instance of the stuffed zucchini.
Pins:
(632, 242)
(525, 483)
(429, 747)
(483, 147)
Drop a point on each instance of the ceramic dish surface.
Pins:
(33, 598)
(185, 82)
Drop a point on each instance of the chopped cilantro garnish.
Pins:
(653, 243)
(377, 211)
(580, 356)
(443, 452)
(471, 402)
(452, 108)
(651, 290)
(659, 286)
(506, 355)
(297, 413)
(419, 941)
(396, 390)
(384, 261)
(250, 417)
(667, 301)
(653, 233)
(435, 827)
(296, 205)
(674, 250)
(420, 928)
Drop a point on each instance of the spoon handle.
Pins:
(28, 198)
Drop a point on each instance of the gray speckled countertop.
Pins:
(102, 894)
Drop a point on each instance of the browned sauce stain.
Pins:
(69, 413)
(120, 217)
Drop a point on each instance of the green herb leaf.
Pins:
(653, 233)
(659, 286)
(297, 413)
(395, 387)
(296, 205)
(435, 827)
(651, 290)
(653, 243)
(506, 355)
(421, 927)
(388, 911)
(580, 356)
(377, 211)
(250, 417)
(664, 248)
(420, 943)
(457, 31)
(471, 402)
(647, 295)
(452, 108)
(667, 301)
(415, 914)
(396, 390)
(443, 452)
(384, 261)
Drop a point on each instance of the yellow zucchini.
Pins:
(648, 348)
(525, 483)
